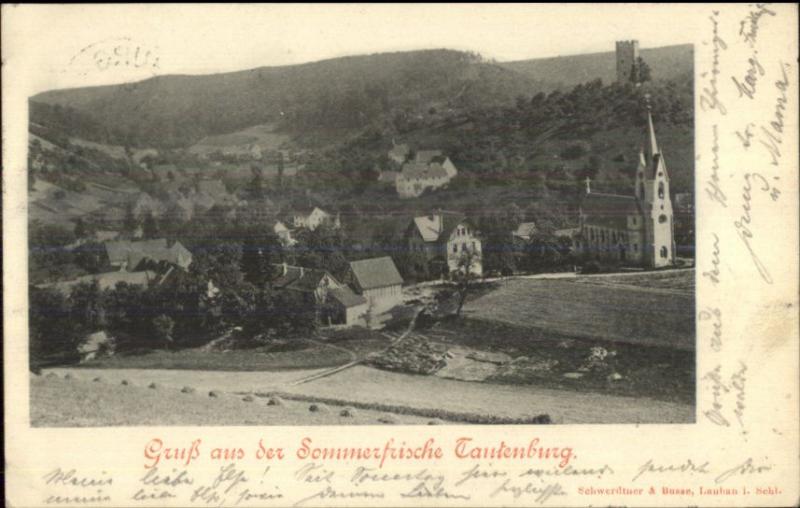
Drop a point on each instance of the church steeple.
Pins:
(651, 133)
(654, 156)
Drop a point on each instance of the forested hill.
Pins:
(342, 93)
(667, 63)
(331, 98)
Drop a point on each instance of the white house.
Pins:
(313, 218)
(446, 238)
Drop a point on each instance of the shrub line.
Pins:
(443, 414)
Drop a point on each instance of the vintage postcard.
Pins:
(401, 255)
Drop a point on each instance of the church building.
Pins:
(636, 229)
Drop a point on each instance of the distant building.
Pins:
(627, 54)
(284, 234)
(377, 280)
(144, 204)
(128, 255)
(444, 238)
(313, 217)
(399, 153)
(636, 229)
(107, 280)
(525, 231)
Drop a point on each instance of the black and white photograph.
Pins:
(451, 231)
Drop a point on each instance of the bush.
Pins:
(441, 414)
(275, 401)
(574, 151)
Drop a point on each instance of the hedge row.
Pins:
(443, 414)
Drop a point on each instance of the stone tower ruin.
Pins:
(627, 54)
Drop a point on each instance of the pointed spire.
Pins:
(651, 131)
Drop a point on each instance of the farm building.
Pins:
(320, 289)
(377, 280)
(636, 229)
(444, 238)
(348, 307)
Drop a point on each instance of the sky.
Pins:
(203, 39)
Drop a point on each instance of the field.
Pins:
(596, 308)
(299, 355)
(262, 135)
(59, 402)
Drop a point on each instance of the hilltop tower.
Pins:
(627, 54)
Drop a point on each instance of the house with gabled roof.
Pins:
(334, 302)
(524, 231)
(129, 255)
(312, 217)
(377, 280)
(444, 238)
(429, 170)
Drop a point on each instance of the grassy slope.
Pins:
(58, 402)
(605, 312)
(308, 357)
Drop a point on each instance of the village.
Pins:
(191, 284)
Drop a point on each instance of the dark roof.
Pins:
(299, 278)
(376, 273)
(440, 228)
(118, 251)
(609, 209)
(346, 297)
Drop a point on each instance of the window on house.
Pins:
(455, 248)
(463, 247)
(635, 247)
(664, 252)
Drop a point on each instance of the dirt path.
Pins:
(354, 359)
(365, 384)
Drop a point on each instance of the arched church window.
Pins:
(662, 219)
(664, 252)
(661, 190)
